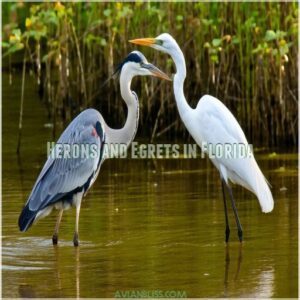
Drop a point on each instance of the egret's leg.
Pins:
(55, 234)
(227, 230)
(78, 205)
(238, 223)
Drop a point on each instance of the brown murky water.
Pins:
(145, 225)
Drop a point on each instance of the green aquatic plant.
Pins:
(243, 53)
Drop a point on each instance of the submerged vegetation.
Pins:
(243, 53)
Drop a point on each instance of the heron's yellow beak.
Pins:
(144, 41)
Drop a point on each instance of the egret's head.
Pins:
(136, 64)
(164, 42)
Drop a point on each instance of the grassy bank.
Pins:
(243, 53)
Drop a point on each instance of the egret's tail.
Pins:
(263, 192)
(26, 218)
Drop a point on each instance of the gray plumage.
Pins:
(64, 181)
(60, 178)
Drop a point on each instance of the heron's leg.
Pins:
(55, 234)
(238, 223)
(227, 230)
(78, 205)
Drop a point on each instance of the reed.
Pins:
(243, 53)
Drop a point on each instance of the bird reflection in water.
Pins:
(262, 285)
(227, 264)
(58, 263)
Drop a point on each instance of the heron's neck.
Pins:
(178, 83)
(126, 134)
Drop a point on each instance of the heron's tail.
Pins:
(26, 218)
(263, 192)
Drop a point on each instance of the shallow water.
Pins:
(146, 225)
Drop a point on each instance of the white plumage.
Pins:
(212, 123)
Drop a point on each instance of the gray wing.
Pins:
(62, 176)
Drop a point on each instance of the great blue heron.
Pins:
(64, 181)
(211, 123)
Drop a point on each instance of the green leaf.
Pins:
(103, 42)
(13, 49)
(284, 49)
(107, 12)
(270, 36)
(5, 44)
(235, 40)
(50, 17)
(17, 33)
(207, 22)
(280, 34)
(216, 42)
(258, 49)
(214, 58)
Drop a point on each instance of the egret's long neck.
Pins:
(126, 134)
(178, 83)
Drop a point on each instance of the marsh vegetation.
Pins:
(242, 53)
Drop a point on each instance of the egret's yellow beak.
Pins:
(144, 41)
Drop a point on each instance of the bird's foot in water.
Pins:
(75, 240)
(55, 239)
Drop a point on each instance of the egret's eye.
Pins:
(159, 42)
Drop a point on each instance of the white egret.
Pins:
(211, 123)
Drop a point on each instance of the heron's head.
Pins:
(136, 64)
(164, 42)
